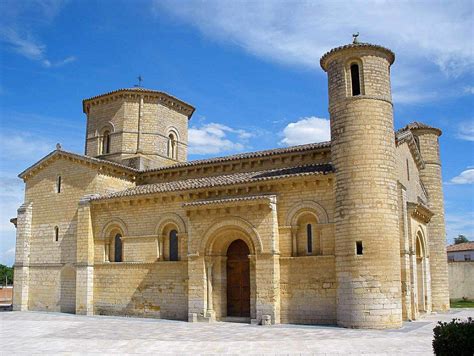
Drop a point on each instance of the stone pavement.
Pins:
(50, 333)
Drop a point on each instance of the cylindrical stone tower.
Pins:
(366, 218)
(427, 138)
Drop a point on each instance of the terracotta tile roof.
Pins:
(228, 200)
(256, 154)
(356, 45)
(83, 158)
(415, 125)
(465, 246)
(221, 180)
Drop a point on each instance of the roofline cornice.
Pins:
(162, 97)
(107, 167)
(355, 46)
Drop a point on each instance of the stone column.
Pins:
(404, 254)
(210, 313)
(294, 245)
(197, 299)
(267, 270)
(107, 251)
(161, 243)
(22, 257)
(84, 259)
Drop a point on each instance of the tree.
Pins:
(460, 239)
(6, 273)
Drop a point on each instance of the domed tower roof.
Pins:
(358, 46)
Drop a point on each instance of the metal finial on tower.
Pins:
(140, 80)
(354, 38)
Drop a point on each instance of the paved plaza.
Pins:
(49, 333)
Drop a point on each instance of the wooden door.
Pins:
(238, 279)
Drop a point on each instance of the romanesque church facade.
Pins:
(348, 232)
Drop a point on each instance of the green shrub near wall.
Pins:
(454, 338)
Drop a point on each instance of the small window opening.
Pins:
(408, 170)
(359, 248)
(172, 146)
(174, 245)
(355, 79)
(56, 234)
(106, 142)
(467, 257)
(309, 238)
(58, 185)
(118, 248)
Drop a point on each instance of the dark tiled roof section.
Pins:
(143, 90)
(80, 157)
(222, 180)
(256, 154)
(227, 200)
(391, 55)
(465, 246)
(415, 125)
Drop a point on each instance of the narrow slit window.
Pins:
(355, 79)
(106, 142)
(58, 185)
(118, 248)
(309, 238)
(359, 248)
(174, 256)
(408, 170)
(56, 234)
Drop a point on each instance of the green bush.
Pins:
(454, 338)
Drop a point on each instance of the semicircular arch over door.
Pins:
(238, 279)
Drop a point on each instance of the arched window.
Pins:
(174, 245)
(56, 233)
(309, 238)
(58, 184)
(306, 236)
(172, 146)
(105, 142)
(118, 248)
(355, 79)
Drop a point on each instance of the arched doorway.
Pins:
(421, 273)
(238, 280)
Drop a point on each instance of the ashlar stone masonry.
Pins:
(347, 232)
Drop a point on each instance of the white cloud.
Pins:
(466, 131)
(19, 35)
(466, 177)
(306, 130)
(469, 89)
(216, 138)
(11, 197)
(301, 35)
(460, 223)
(17, 146)
(298, 33)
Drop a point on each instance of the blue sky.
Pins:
(251, 69)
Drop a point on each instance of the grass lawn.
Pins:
(462, 304)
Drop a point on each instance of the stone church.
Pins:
(349, 232)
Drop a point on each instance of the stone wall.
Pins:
(408, 174)
(156, 290)
(461, 280)
(129, 135)
(48, 274)
(308, 290)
